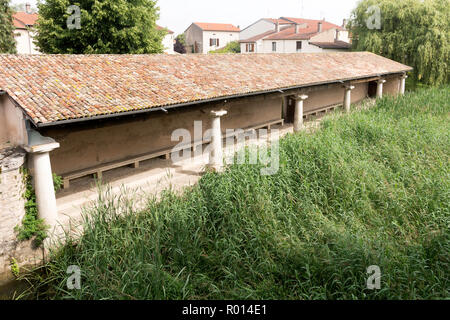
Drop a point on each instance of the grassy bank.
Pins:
(370, 188)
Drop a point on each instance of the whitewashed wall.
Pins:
(24, 42)
(255, 29)
(168, 43)
(224, 39)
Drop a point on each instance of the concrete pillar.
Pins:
(348, 97)
(285, 101)
(298, 115)
(216, 153)
(380, 88)
(39, 148)
(403, 84)
(43, 185)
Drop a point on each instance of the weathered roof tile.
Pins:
(51, 88)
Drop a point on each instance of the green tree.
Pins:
(7, 42)
(413, 32)
(180, 43)
(107, 26)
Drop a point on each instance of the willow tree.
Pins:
(413, 32)
(92, 26)
(7, 42)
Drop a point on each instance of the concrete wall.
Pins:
(392, 86)
(194, 34)
(98, 143)
(332, 95)
(12, 123)
(255, 29)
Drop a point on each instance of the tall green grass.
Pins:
(370, 188)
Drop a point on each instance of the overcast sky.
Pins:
(177, 15)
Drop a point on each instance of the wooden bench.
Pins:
(135, 160)
(98, 170)
(326, 109)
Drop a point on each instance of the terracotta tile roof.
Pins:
(52, 88)
(313, 23)
(217, 27)
(280, 21)
(332, 45)
(289, 34)
(162, 28)
(22, 19)
(258, 37)
(308, 29)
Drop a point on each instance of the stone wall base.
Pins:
(12, 212)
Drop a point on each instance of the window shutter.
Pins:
(217, 41)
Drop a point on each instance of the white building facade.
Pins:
(24, 34)
(292, 35)
(206, 37)
(168, 40)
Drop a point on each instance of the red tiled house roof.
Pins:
(51, 88)
(313, 23)
(162, 28)
(217, 27)
(281, 21)
(22, 20)
(337, 44)
(310, 28)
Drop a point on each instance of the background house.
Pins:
(290, 35)
(168, 40)
(206, 37)
(24, 22)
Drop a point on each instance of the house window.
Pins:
(214, 42)
(299, 46)
(250, 47)
(274, 47)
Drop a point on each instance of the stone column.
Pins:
(216, 153)
(39, 148)
(298, 115)
(380, 88)
(403, 84)
(348, 97)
